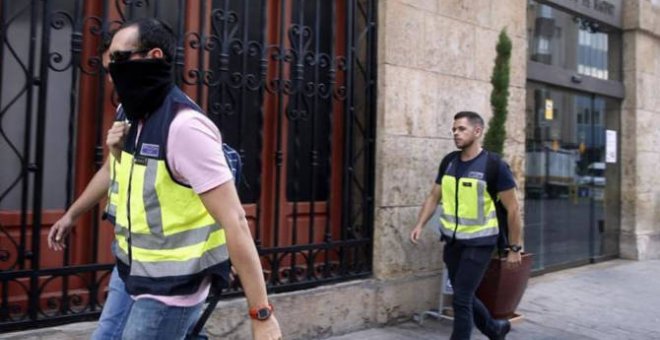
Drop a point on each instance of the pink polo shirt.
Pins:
(195, 157)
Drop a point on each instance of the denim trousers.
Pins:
(151, 319)
(466, 266)
(115, 310)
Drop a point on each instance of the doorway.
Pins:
(572, 189)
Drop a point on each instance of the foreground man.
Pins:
(178, 216)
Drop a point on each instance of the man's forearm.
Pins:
(428, 208)
(96, 189)
(223, 204)
(515, 227)
(245, 259)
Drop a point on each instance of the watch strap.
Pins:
(261, 312)
(515, 248)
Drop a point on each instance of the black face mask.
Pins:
(141, 85)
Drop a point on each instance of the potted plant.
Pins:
(502, 287)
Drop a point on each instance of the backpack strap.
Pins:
(492, 176)
(444, 164)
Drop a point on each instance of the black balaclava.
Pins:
(141, 85)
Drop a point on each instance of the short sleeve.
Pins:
(443, 166)
(194, 152)
(438, 178)
(505, 180)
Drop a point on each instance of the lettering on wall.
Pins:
(601, 6)
(606, 11)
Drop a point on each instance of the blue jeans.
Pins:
(466, 266)
(152, 319)
(115, 311)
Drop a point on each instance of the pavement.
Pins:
(617, 299)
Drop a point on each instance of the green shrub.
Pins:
(499, 97)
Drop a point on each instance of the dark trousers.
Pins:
(466, 266)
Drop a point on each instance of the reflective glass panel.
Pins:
(572, 204)
(572, 42)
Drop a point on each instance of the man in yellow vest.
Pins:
(178, 218)
(469, 226)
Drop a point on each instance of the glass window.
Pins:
(572, 194)
(575, 43)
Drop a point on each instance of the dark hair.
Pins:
(473, 117)
(106, 39)
(153, 33)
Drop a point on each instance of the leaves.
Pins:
(499, 97)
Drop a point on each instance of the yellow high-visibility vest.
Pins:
(113, 192)
(167, 241)
(468, 209)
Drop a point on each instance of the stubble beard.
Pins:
(465, 144)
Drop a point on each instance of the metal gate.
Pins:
(290, 83)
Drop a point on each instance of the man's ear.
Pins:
(156, 53)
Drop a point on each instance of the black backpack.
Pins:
(492, 173)
(234, 162)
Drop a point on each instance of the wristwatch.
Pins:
(515, 248)
(261, 313)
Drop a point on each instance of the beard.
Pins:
(463, 144)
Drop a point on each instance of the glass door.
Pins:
(572, 189)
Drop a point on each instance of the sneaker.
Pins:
(504, 327)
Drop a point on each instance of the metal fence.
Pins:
(290, 83)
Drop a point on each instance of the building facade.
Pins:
(332, 199)
(580, 140)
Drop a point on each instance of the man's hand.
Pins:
(59, 231)
(415, 233)
(266, 330)
(115, 138)
(513, 259)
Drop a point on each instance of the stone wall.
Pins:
(640, 225)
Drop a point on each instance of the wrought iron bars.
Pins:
(291, 84)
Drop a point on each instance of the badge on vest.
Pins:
(139, 160)
(476, 174)
(150, 150)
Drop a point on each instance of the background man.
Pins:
(469, 224)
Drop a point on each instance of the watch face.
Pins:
(263, 314)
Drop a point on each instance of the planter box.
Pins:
(502, 288)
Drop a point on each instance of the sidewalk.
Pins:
(612, 300)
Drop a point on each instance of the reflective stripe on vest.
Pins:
(470, 211)
(113, 191)
(175, 255)
(171, 234)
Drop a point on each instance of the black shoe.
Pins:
(504, 327)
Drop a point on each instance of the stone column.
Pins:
(640, 153)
